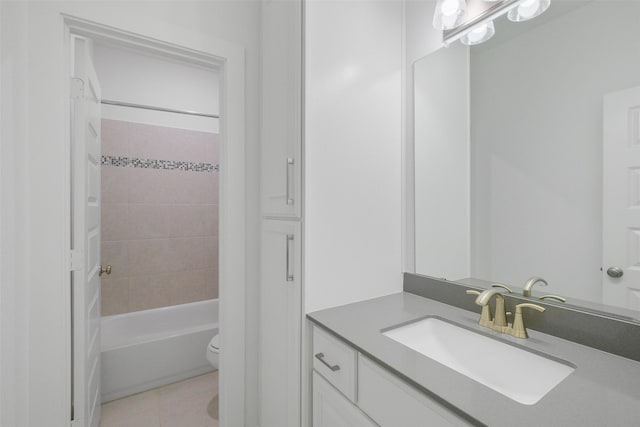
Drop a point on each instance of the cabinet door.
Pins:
(281, 108)
(280, 324)
(331, 409)
(391, 402)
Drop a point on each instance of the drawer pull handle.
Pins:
(320, 357)
(289, 253)
(290, 163)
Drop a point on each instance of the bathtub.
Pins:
(151, 348)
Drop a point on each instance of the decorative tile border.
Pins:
(127, 162)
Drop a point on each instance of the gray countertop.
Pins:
(604, 389)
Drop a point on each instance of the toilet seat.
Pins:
(214, 345)
(213, 351)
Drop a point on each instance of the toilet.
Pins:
(213, 351)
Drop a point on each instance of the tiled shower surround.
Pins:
(159, 216)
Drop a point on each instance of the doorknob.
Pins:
(615, 272)
(106, 271)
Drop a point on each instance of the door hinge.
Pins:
(76, 261)
(77, 88)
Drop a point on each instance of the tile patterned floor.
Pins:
(190, 403)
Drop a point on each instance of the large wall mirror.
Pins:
(527, 156)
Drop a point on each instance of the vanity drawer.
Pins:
(391, 402)
(335, 361)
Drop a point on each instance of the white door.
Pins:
(621, 199)
(85, 142)
(280, 324)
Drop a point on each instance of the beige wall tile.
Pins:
(211, 220)
(172, 186)
(148, 221)
(211, 148)
(114, 294)
(199, 258)
(114, 187)
(192, 220)
(187, 187)
(146, 292)
(191, 253)
(186, 146)
(114, 221)
(211, 252)
(190, 287)
(148, 257)
(211, 284)
(186, 221)
(180, 252)
(116, 254)
(151, 185)
(148, 141)
(114, 138)
(157, 222)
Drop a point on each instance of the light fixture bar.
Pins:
(499, 9)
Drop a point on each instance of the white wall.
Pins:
(537, 170)
(13, 265)
(134, 77)
(353, 150)
(14, 384)
(34, 310)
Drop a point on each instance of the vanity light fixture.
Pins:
(449, 14)
(471, 21)
(528, 9)
(479, 34)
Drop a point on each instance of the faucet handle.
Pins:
(500, 285)
(519, 329)
(555, 297)
(486, 319)
(519, 307)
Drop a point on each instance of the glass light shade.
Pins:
(449, 13)
(479, 34)
(528, 9)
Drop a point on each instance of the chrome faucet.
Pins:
(526, 291)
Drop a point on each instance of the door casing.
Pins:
(228, 58)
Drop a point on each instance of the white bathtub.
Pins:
(152, 348)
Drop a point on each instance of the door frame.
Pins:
(228, 58)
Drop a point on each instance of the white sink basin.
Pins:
(516, 373)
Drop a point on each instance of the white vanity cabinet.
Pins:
(335, 361)
(332, 409)
(350, 389)
(392, 402)
(281, 108)
(280, 324)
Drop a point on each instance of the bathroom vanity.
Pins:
(362, 377)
